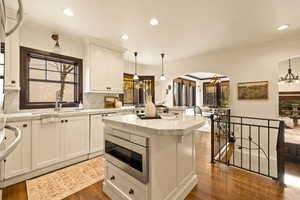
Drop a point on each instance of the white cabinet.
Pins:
(105, 70)
(11, 71)
(19, 161)
(116, 71)
(46, 144)
(120, 184)
(97, 134)
(58, 141)
(99, 70)
(75, 137)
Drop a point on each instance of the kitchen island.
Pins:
(150, 159)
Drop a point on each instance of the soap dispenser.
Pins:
(80, 107)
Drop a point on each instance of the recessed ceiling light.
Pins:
(154, 21)
(282, 27)
(125, 37)
(68, 12)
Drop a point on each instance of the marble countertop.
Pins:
(39, 114)
(181, 125)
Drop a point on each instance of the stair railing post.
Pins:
(212, 138)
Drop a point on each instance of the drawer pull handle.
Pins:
(131, 191)
(24, 125)
(112, 178)
(62, 121)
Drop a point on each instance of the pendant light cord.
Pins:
(162, 63)
(135, 67)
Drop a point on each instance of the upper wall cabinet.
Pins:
(105, 70)
(11, 80)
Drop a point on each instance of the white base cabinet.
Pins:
(46, 144)
(96, 134)
(75, 137)
(19, 161)
(59, 141)
(118, 185)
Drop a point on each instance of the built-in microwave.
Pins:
(129, 156)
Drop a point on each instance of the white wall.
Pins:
(252, 63)
(39, 37)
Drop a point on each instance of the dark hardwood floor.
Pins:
(215, 182)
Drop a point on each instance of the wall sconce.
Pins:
(55, 37)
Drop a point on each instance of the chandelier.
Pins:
(289, 77)
(215, 80)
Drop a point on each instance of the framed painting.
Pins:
(253, 90)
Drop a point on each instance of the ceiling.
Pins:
(186, 27)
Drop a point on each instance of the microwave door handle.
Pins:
(19, 17)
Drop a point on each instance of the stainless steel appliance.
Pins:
(129, 153)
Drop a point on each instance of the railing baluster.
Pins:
(212, 145)
(268, 147)
(233, 129)
(219, 139)
(241, 142)
(250, 139)
(227, 145)
(259, 149)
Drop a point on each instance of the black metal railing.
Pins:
(249, 143)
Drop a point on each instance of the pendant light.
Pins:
(215, 80)
(135, 77)
(162, 77)
(289, 77)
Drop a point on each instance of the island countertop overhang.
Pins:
(175, 127)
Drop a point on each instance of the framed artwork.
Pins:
(253, 90)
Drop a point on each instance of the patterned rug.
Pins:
(62, 183)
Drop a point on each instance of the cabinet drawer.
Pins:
(130, 188)
(121, 134)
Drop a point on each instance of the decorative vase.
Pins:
(150, 109)
(118, 104)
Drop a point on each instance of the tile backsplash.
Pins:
(90, 101)
(11, 101)
(95, 100)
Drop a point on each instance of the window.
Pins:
(136, 92)
(216, 95)
(184, 92)
(43, 74)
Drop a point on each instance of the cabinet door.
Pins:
(97, 134)
(19, 161)
(116, 67)
(46, 144)
(11, 71)
(75, 137)
(99, 69)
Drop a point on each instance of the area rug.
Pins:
(62, 183)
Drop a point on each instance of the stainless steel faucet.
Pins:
(58, 104)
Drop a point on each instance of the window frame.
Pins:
(138, 102)
(24, 78)
(190, 86)
(217, 94)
